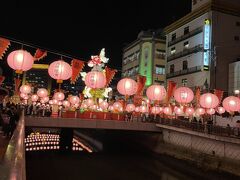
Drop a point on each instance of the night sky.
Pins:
(81, 30)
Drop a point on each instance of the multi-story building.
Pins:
(201, 45)
(234, 77)
(145, 56)
(38, 77)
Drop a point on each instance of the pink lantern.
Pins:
(42, 92)
(167, 110)
(110, 108)
(231, 104)
(20, 60)
(59, 103)
(45, 99)
(127, 87)
(209, 100)
(60, 71)
(156, 92)
(34, 98)
(189, 111)
(220, 110)
(90, 102)
(103, 105)
(94, 107)
(200, 111)
(178, 111)
(211, 111)
(55, 102)
(74, 100)
(130, 107)
(23, 95)
(137, 109)
(155, 110)
(59, 96)
(183, 95)
(50, 102)
(161, 109)
(26, 89)
(117, 106)
(84, 106)
(143, 109)
(66, 103)
(95, 79)
(76, 105)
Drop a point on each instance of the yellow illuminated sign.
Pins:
(40, 66)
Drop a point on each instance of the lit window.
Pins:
(160, 69)
(184, 82)
(186, 44)
(173, 50)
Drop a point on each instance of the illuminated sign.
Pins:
(206, 42)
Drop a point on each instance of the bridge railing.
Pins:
(204, 128)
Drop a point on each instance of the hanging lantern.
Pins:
(59, 103)
(74, 100)
(59, 96)
(89, 102)
(200, 111)
(155, 110)
(211, 111)
(50, 102)
(84, 106)
(161, 109)
(45, 99)
(127, 87)
(220, 110)
(231, 104)
(189, 111)
(94, 107)
(103, 105)
(167, 111)
(34, 98)
(23, 95)
(20, 60)
(42, 92)
(95, 80)
(130, 107)
(66, 103)
(156, 92)
(143, 109)
(55, 102)
(110, 108)
(26, 89)
(60, 71)
(178, 111)
(183, 95)
(209, 100)
(137, 109)
(117, 106)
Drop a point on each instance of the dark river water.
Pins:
(112, 166)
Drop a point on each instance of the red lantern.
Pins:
(103, 105)
(60, 71)
(130, 107)
(26, 89)
(110, 108)
(189, 111)
(74, 100)
(220, 110)
(42, 92)
(66, 103)
(24, 96)
(55, 102)
(20, 60)
(200, 111)
(137, 109)
(95, 79)
(156, 92)
(211, 111)
(59, 96)
(143, 109)
(45, 99)
(167, 111)
(90, 102)
(183, 95)
(117, 106)
(127, 87)
(209, 100)
(34, 98)
(155, 110)
(178, 111)
(51, 102)
(231, 104)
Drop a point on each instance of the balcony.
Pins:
(185, 52)
(185, 71)
(185, 36)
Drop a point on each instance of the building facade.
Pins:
(234, 77)
(145, 56)
(200, 46)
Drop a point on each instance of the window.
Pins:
(186, 30)
(237, 23)
(173, 36)
(173, 50)
(172, 68)
(160, 54)
(185, 65)
(160, 69)
(184, 82)
(186, 44)
(236, 38)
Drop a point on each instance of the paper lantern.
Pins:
(161, 109)
(23, 95)
(42, 92)
(209, 100)
(231, 104)
(59, 103)
(74, 100)
(89, 102)
(200, 111)
(220, 110)
(59, 96)
(130, 107)
(167, 110)
(103, 105)
(60, 71)
(50, 102)
(66, 103)
(55, 102)
(34, 98)
(127, 87)
(117, 106)
(84, 106)
(26, 89)
(143, 109)
(211, 111)
(110, 108)
(45, 99)
(137, 109)
(178, 111)
(95, 79)
(94, 107)
(183, 95)
(155, 110)
(20, 60)
(156, 92)
(189, 111)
